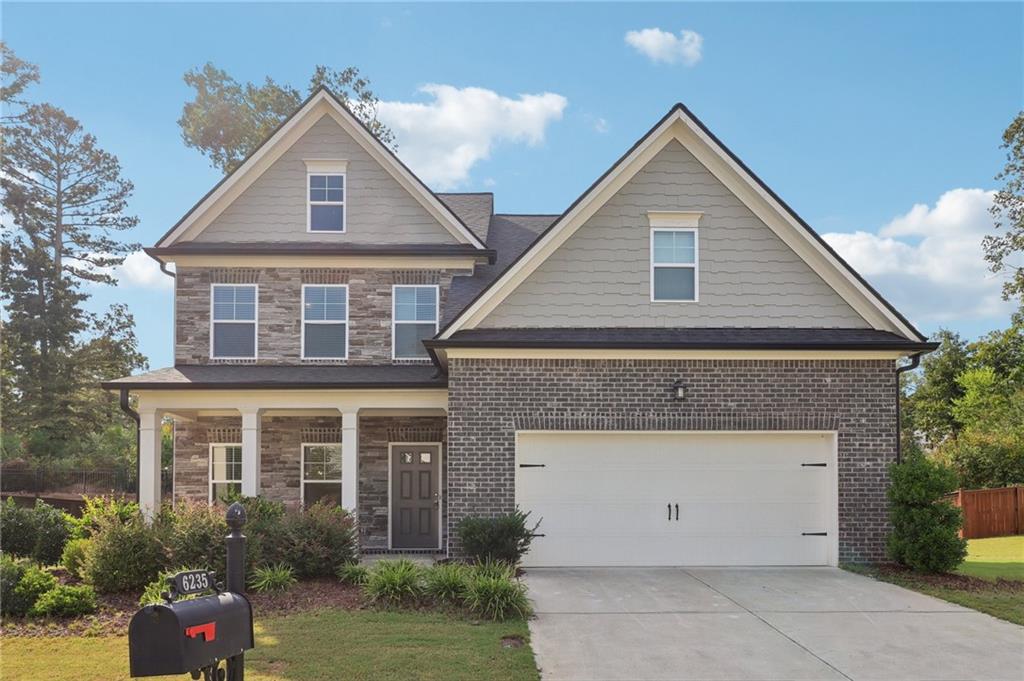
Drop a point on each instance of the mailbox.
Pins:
(186, 636)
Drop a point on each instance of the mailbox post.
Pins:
(236, 575)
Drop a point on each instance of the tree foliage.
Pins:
(925, 527)
(226, 120)
(15, 77)
(1002, 248)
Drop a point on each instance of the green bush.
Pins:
(193, 534)
(123, 556)
(73, 558)
(33, 583)
(986, 459)
(276, 577)
(446, 583)
(264, 531)
(496, 597)
(39, 532)
(11, 571)
(353, 573)
(319, 540)
(394, 583)
(506, 538)
(66, 601)
(98, 510)
(493, 568)
(925, 527)
(154, 591)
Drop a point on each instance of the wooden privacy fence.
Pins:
(991, 512)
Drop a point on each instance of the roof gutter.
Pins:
(126, 407)
(438, 343)
(915, 361)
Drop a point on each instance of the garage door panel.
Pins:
(743, 499)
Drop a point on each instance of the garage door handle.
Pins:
(677, 511)
(670, 511)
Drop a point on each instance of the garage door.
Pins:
(648, 499)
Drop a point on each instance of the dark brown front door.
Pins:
(415, 496)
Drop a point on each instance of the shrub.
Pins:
(73, 558)
(123, 556)
(66, 601)
(38, 532)
(193, 534)
(11, 571)
(496, 597)
(506, 538)
(154, 591)
(264, 530)
(317, 541)
(98, 510)
(276, 577)
(33, 583)
(446, 583)
(493, 568)
(394, 582)
(925, 527)
(353, 573)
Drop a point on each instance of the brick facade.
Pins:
(280, 309)
(489, 399)
(281, 440)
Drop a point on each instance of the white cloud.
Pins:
(443, 139)
(928, 262)
(138, 269)
(669, 48)
(601, 125)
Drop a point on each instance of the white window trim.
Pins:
(395, 322)
(695, 266)
(302, 470)
(209, 476)
(255, 322)
(304, 321)
(310, 203)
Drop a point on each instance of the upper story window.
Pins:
(324, 322)
(414, 316)
(674, 265)
(233, 321)
(326, 202)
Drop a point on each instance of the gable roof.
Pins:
(319, 103)
(682, 125)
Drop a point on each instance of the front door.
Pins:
(415, 496)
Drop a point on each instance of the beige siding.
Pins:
(379, 210)
(600, 277)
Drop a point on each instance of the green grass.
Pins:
(995, 558)
(327, 644)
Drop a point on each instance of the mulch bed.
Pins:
(951, 580)
(116, 610)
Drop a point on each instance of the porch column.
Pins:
(251, 452)
(150, 445)
(349, 460)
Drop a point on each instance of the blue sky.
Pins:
(878, 123)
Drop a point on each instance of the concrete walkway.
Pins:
(642, 624)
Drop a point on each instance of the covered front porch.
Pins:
(378, 453)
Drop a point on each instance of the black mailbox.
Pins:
(184, 636)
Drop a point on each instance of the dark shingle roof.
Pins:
(227, 376)
(474, 209)
(685, 338)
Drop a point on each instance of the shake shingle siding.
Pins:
(489, 399)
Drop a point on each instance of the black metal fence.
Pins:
(45, 480)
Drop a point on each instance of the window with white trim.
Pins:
(326, 202)
(225, 471)
(414, 316)
(674, 265)
(321, 473)
(233, 319)
(324, 322)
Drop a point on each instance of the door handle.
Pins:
(670, 511)
(677, 511)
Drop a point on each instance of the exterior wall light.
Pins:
(679, 390)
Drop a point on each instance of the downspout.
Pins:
(915, 361)
(126, 407)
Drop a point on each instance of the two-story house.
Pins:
(674, 371)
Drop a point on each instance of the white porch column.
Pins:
(251, 452)
(349, 460)
(150, 444)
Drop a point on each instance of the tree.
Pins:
(15, 76)
(1008, 211)
(227, 120)
(932, 402)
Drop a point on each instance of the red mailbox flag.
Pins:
(208, 630)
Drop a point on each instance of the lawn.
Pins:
(990, 580)
(325, 644)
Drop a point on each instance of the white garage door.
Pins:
(678, 499)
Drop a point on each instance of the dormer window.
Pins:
(325, 189)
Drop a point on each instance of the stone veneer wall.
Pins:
(489, 399)
(281, 441)
(280, 310)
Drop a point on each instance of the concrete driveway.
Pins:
(640, 624)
